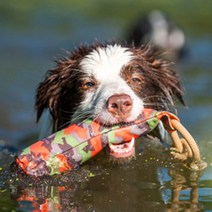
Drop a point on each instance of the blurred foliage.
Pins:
(194, 16)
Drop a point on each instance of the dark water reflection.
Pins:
(28, 45)
(150, 183)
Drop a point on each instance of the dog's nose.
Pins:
(120, 105)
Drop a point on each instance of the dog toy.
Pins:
(72, 146)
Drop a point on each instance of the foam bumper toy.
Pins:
(72, 146)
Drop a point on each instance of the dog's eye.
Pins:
(136, 80)
(88, 85)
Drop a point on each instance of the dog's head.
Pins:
(109, 83)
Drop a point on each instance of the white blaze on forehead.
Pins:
(106, 62)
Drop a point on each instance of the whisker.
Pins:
(159, 103)
(155, 96)
(156, 102)
(82, 115)
(92, 105)
(73, 120)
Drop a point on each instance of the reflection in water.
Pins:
(149, 183)
(61, 198)
(182, 180)
(47, 198)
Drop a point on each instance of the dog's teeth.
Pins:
(123, 148)
(132, 143)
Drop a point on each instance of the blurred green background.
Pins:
(34, 33)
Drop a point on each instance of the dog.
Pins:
(109, 83)
(159, 29)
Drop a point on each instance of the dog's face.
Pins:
(108, 86)
(109, 83)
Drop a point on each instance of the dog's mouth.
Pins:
(122, 150)
(126, 149)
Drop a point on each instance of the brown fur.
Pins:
(62, 89)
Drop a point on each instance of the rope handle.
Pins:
(185, 148)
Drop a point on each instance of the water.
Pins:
(31, 35)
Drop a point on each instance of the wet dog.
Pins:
(109, 83)
(157, 28)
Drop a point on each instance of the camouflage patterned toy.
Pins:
(70, 147)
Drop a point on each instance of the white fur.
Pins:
(161, 35)
(105, 64)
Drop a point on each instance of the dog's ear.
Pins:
(165, 83)
(50, 90)
(57, 90)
